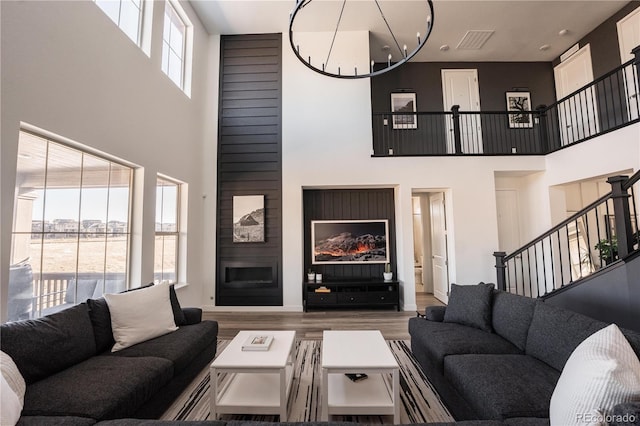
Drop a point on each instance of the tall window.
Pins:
(127, 14)
(167, 230)
(71, 227)
(175, 40)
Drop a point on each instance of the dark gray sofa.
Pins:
(509, 371)
(74, 379)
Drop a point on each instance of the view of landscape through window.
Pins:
(71, 227)
(167, 232)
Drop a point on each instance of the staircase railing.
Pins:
(608, 103)
(584, 243)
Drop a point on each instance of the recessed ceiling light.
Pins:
(385, 48)
(544, 47)
(444, 47)
(563, 32)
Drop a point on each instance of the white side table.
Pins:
(359, 352)
(261, 380)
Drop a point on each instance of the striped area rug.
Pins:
(419, 401)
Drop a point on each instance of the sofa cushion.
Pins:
(435, 313)
(140, 315)
(179, 347)
(9, 370)
(101, 321)
(101, 387)
(555, 333)
(10, 405)
(526, 421)
(55, 421)
(67, 336)
(470, 305)
(502, 386)
(439, 339)
(178, 314)
(602, 372)
(511, 316)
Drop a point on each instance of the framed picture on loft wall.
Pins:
(248, 218)
(519, 102)
(404, 102)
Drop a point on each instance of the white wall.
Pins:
(67, 69)
(546, 197)
(327, 144)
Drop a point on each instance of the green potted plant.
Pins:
(608, 249)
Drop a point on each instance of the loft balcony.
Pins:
(606, 104)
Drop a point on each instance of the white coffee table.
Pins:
(261, 380)
(359, 352)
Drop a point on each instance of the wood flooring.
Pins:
(310, 325)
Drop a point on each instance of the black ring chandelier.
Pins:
(404, 52)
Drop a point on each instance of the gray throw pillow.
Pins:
(470, 305)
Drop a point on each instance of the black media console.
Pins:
(351, 293)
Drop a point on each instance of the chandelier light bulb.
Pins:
(389, 60)
(405, 49)
(418, 35)
(372, 63)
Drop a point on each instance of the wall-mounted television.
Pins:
(349, 241)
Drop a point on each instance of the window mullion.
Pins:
(75, 296)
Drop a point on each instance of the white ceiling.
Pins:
(521, 26)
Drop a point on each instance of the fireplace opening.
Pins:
(249, 276)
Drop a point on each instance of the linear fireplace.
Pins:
(248, 283)
(249, 275)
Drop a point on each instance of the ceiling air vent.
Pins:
(474, 39)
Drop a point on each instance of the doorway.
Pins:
(629, 38)
(578, 114)
(460, 87)
(430, 245)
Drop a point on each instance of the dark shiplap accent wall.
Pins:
(347, 204)
(250, 157)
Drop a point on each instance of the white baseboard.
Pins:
(410, 308)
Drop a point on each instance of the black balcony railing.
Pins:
(608, 103)
(588, 241)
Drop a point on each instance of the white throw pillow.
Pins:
(10, 406)
(140, 315)
(13, 376)
(602, 371)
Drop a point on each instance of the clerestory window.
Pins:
(126, 14)
(176, 42)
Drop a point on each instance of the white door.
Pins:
(629, 38)
(578, 114)
(439, 247)
(460, 87)
(508, 226)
